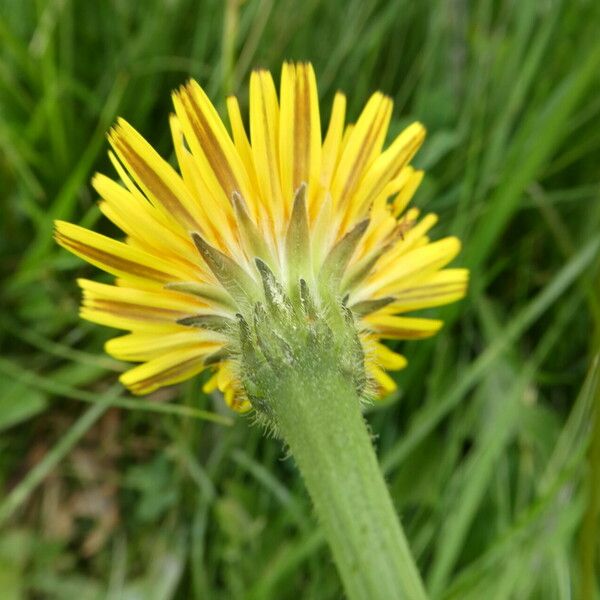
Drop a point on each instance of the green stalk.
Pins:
(317, 413)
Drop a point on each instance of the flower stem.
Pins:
(318, 415)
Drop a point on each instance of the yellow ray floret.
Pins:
(277, 204)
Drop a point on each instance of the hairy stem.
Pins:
(317, 413)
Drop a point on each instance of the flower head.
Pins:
(253, 227)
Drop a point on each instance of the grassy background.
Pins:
(492, 448)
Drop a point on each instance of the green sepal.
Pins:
(253, 365)
(297, 241)
(251, 237)
(273, 346)
(251, 359)
(231, 276)
(363, 267)
(307, 301)
(338, 258)
(318, 330)
(210, 293)
(216, 357)
(275, 296)
(351, 352)
(366, 307)
(211, 322)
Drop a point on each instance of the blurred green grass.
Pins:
(492, 448)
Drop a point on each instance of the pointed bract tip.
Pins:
(299, 205)
(300, 193)
(200, 242)
(236, 198)
(262, 267)
(362, 226)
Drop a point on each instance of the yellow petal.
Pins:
(242, 144)
(211, 384)
(402, 328)
(322, 234)
(441, 288)
(409, 186)
(137, 309)
(386, 385)
(225, 375)
(388, 359)
(264, 131)
(157, 298)
(381, 227)
(168, 369)
(143, 346)
(383, 216)
(227, 382)
(143, 225)
(363, 144)
(333, 139)
(410, 235)
(217, 216)
(209, 141)
(299, 131)
(236, 400)
(414, 265)
(116, 257)
(156, 178)
(386, 167)
(166, 219)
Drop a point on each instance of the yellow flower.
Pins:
(284, 194)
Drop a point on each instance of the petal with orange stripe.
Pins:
(402, 328)
(118, 258)
(299, 131)
(176, 366)
(156, 178)
(264, 132)
(363, 143)
(143, 346)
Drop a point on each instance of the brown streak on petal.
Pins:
(296, 131)
(135, 311)
(169, 373)
(159, 189)
(407, 152)
(398, 333)
(301, 127)
(362, 156)
(116, 262)
(271, 160)
(404, 299)
(433, 286)
(210, 145)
